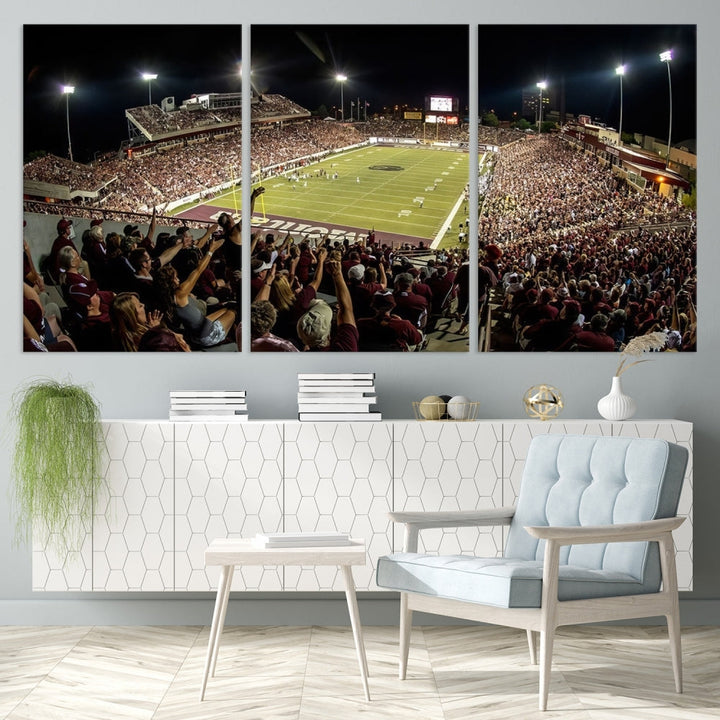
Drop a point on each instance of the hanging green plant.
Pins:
(56, 462)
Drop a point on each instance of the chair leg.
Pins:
(667, 562)
(547, 638)
(405, 627)
(673, 621)
(548, 614)
(532, 646)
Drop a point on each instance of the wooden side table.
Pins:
(231, 552)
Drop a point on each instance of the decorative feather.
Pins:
(637, 346)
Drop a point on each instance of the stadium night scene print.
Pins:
(361, 230)
(587, 225)
(377, 189)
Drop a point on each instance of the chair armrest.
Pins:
(454, 518)
(622, 532)
(416, 521)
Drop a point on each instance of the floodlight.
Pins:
(341, 78)
(542, 85)
(68, 90)
(149, 77)
(620, 71)
(666, 57)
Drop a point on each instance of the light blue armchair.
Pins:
(589, 541)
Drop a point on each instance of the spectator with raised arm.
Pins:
(183, 309)
(315, 327)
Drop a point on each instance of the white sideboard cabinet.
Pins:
(171, 488)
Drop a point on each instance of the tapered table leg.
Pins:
(218, 620)
(356, 627)
(223, 612)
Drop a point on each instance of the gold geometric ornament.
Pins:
(543, 402)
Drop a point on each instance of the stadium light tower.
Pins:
(341, 79)
(620, 71)
(666, 57)
(68, 90)
(542, 85)
(149, 77)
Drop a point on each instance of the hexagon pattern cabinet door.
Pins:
(338, 476)
(449, 466)
(56, 570)
(133, 522)
(228, 483)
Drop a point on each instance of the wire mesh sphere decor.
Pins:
(543, 401)
(444, 407)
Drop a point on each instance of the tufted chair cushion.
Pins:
(583, 480)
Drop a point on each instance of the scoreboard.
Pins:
(441, 104)
(442, 109)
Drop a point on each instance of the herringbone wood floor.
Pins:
(311, 673)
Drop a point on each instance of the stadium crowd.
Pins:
(585, 262)
(116, 288)
(155, 121)
(142, 291)
(318, 295)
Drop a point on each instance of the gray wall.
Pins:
(672, 386)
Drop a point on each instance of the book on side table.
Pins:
(301, 539)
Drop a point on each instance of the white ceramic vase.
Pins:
(616, 405)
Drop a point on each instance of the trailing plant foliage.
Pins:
(56, 462)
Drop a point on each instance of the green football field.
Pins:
(405, 191)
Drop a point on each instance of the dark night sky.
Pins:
(384, 65)
(105, 63)
(585, 57)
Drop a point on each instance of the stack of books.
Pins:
(225, 406)
(301, 539)
(337, 396)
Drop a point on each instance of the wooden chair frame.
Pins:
(552, 613)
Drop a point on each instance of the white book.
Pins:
(300, 543)
(340, 417)
(335, 383)
(203, 400)
(336, 376)
(194, 407)
(310, 539)
(336, 389)
(208, 393)
(303, 535)
(359, 399)
(304, 407)
(208, 411)
(209, 418)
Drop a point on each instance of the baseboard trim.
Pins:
(251, 609)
